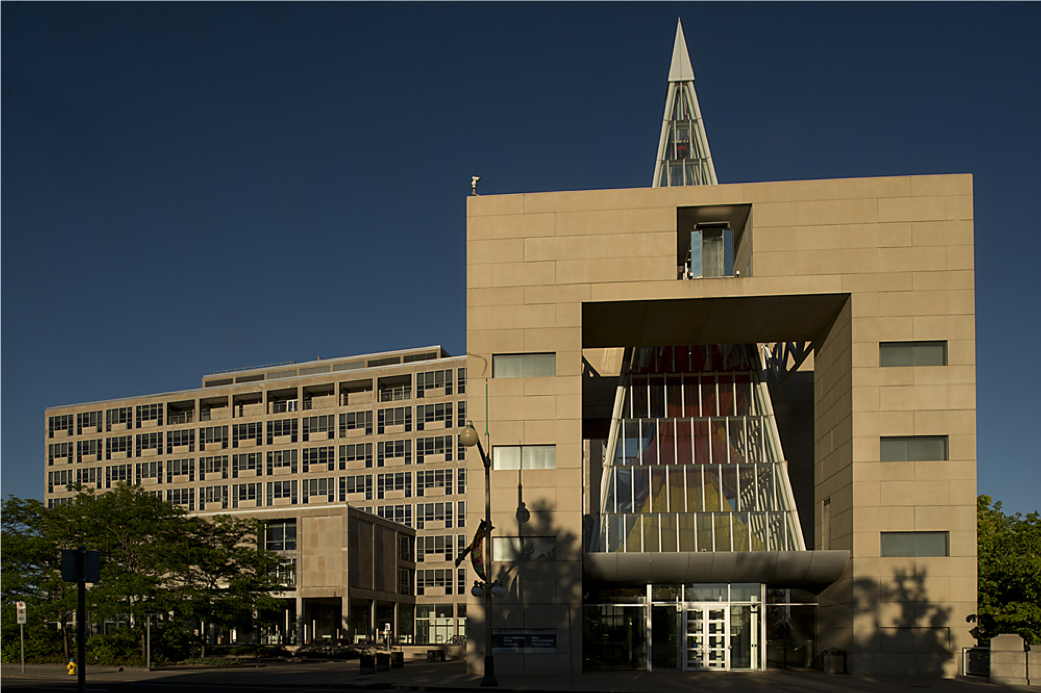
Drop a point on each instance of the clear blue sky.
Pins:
(188, 187)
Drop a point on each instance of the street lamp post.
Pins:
(469, 438)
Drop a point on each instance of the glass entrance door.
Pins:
(707, 630)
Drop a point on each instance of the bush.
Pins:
(119, 648)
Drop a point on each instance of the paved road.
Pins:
(451, 677)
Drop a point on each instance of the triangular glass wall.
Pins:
(694, 462)
(683, 153)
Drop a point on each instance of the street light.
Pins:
(469, 438)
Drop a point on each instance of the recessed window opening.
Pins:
(913, 449)
(524, 457)
(915, 544)
(524, 365)
(903, 354)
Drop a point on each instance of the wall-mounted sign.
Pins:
(524, 641)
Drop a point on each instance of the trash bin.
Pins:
(368, 664)
(382, 661)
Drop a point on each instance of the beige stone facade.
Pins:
(844, 265)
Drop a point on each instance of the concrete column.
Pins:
(1008, 660)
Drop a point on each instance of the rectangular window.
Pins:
(281, 462)
(356, 422)
(461, 380)
(280, 535)
(149, 415)
(60, 425)
(283, 429)
(90, 476)
(399, 420)
(247, 494)
(281, 492)
(90, 449)
(395, 482)
(435, 548)
(915, 544)
(247, 434)
(898, 354)
(213, 467)
(181, 496)
(213, 498)
(524, 548)
(406, 550)
(434, 383)
(88, 422)
(524, 365)
(350, 485)
(247, 463)
(394, 450)
(913, 449)
(61, 451)
(434, 482)
(323, 458)
(149, 444)
(524, 457)
(150, 472)
(217, 436)
(433, 416)
(397, 513)
(118, 473)
(176, 468)
(184, 439)
(118, 447)
(438, 447)
(60, 479)
(355, 456)
(427, 513)
(118, 419)
(319, 427)
(461, 417)
(710, 252)
(320, 490)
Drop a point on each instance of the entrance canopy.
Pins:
(805, 569)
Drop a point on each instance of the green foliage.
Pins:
(1009, 573)
(183, 573)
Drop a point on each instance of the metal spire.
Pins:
(683, 154)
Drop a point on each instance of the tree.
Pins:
(1009, 573)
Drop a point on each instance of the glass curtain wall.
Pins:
(694, 460)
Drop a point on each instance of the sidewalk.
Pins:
(453, 676)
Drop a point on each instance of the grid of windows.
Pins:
(397, 513)
(118, 419)
(59, 451)
(181, 496)
(438, 381)
(396, 417)
(434, 482)
(460, 421)
(280, 429)
(315, 426)
(175, 468)
(323, 489)
(246, 463)
(213, 467)
(214, 435)
(321, 457)
(358, 484)
(393, 450)
(149, 444)
(88, 422)
(88, 448)
(360, 454)
(356, 421)
(213, 497)
(246, 433)
(118, 473)
(436, 577)
(461, 380)
(284, 461)
(440, 446)
(147, 413)
(437, 548)
(180, 439)
(390, 483)
(460, 481)
(60, 425)
(90, 476)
